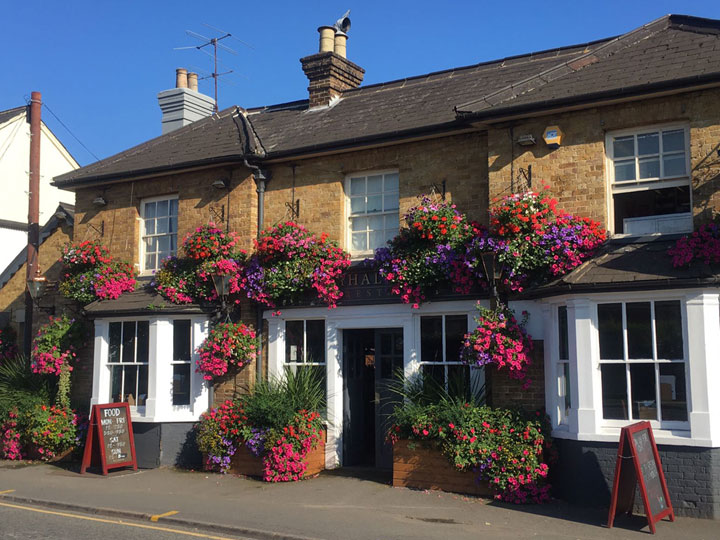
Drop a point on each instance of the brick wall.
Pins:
(507, 392)
(460, 160)
(12, 295)
(199, 203)
(575, 171)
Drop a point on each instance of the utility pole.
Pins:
(34, 111)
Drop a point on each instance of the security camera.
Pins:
(343, 23)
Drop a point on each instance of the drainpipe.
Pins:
(261, 178)
(33, 214)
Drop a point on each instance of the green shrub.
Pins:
(21, 389)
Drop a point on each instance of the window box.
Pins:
(420, 466)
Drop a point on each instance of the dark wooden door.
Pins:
(359, 397)
(389, 363)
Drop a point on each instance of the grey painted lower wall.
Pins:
(168, 444)
(585, 470)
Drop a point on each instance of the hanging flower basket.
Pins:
(289, 261)
(500, 340)
(206, 251)
(228, 347)
(90, 273)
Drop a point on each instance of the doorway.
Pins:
(371, 360)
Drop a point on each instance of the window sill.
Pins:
(179, 415)
(674, 437)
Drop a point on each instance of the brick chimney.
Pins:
(183, 104)
(329, 72)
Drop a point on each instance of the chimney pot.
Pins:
(193, 81)
(327, 39)
(181, 78)
(341, 44)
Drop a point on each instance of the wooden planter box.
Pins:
(33, 454)
(246, 463)
(416, 465)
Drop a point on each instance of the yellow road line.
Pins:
(166, 514)
(7, 491)
(115, 522)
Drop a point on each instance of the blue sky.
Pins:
(100, 64)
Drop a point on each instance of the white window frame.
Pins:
(349, 216)
(141, 243)
(627, 362)
(628, 186)
(303, 362)
(158, 405)
(701, 334)
(444, 362)
(140, 409)
(561, 376)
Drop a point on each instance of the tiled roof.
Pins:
(68, 214)
(215, 139)
(10, 113)
(638, 263)
(674, 50)
(671, 49)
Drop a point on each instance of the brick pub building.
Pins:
(624, 337)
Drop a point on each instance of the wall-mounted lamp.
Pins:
(36, 286)
(99, 201)
(221, 284)
(221, 183)
(526, 140)
(493, 272)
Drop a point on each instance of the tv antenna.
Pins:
(213, 42)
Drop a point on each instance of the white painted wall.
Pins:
(11, 243)
(14, 166)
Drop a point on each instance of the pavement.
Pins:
(343, 504)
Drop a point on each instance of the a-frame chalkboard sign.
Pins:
(638, 462)
(110, 438)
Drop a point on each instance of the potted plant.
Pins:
(447, 443)
(275, 431)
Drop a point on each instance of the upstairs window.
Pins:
(649, 176)
(374, 211)
(158, 231)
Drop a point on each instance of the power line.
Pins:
(70, 132)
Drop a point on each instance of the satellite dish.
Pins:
(343, 23)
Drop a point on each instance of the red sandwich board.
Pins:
(110, 438)
(638, 461)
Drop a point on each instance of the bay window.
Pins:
(562, 367)
(642, 361)
(649, 174)
(149, 363)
